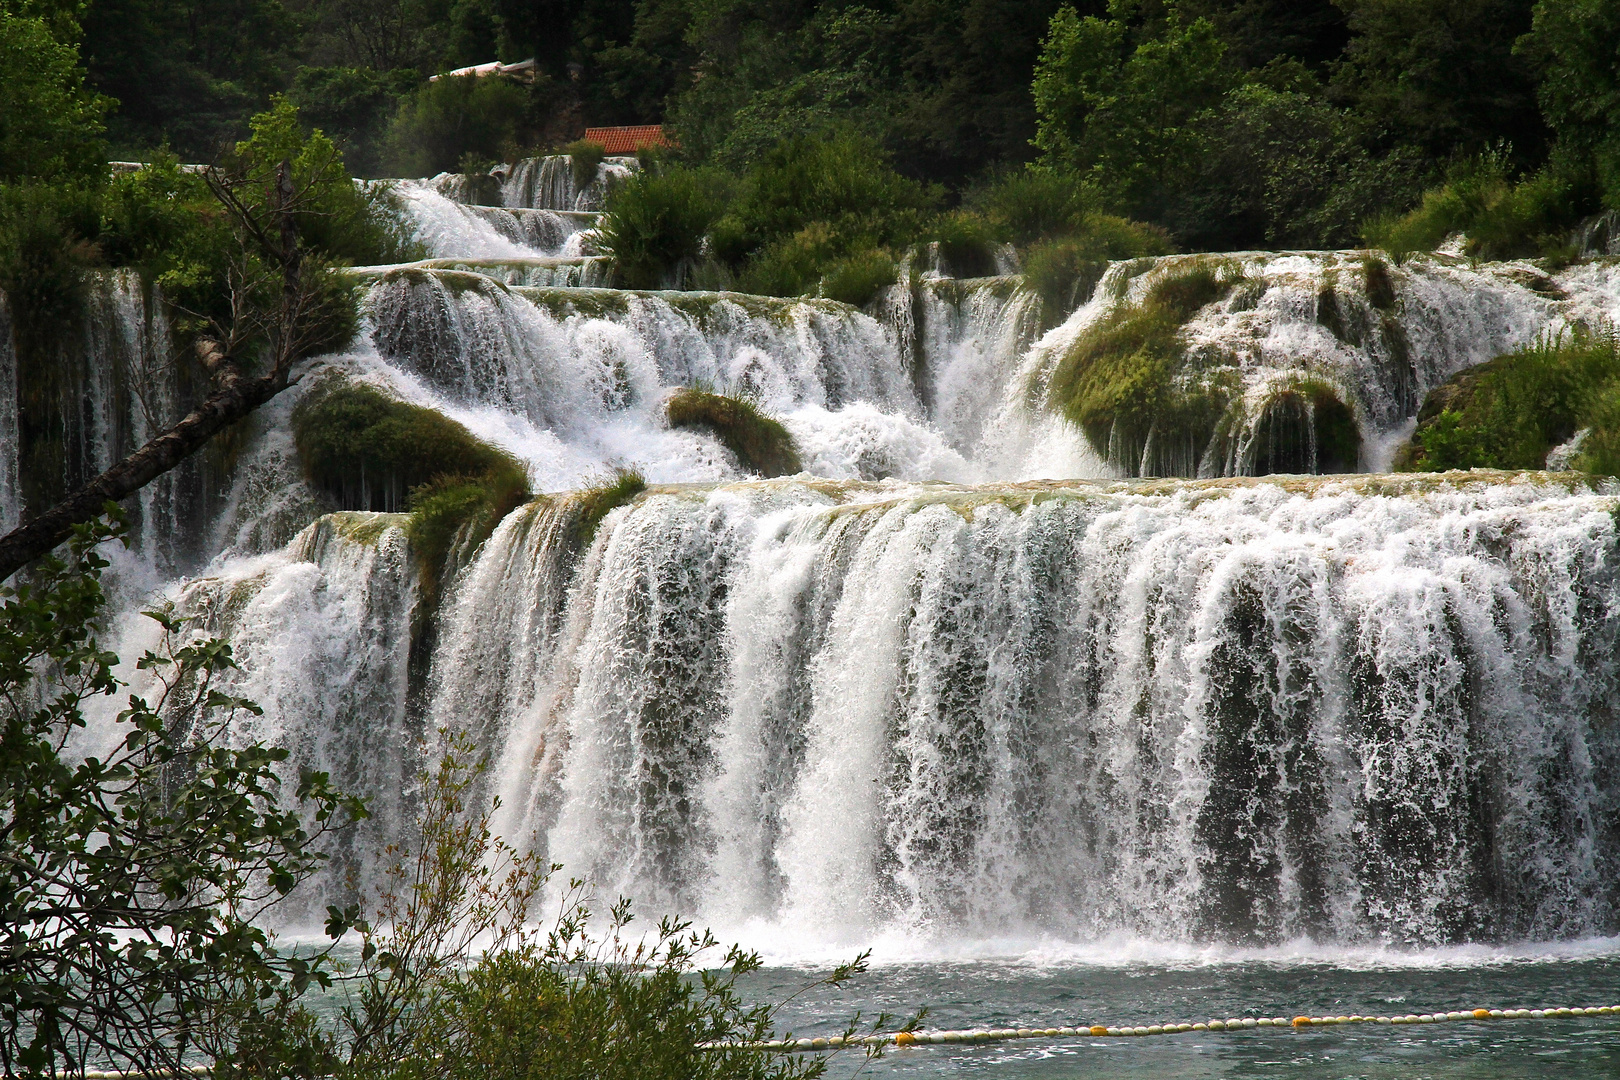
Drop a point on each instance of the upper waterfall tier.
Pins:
(447, 228)
(540, 183)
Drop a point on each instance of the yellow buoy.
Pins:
(1302, 1021)
(1482, 1014)
(1098, 1029)
(905, 1038)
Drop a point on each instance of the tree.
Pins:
(1573, 42)
(257, 300)
(1441, 75)
(134, 869)
(50, 125)
(1129, 117)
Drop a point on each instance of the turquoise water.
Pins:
(1036, 992)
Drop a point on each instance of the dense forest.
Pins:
(1229, 123)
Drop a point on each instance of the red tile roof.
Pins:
(627, 140)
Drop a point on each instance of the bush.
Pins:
(858, 278)
(1118, 380)
(1501, 219)
(354, 106)
(1064, 271)
(450, 117)
(792, 265)
(656, 222)
(762, 445)
(584, 159)
(1508, 413)
(967, 244)
(1028, 205)
(844, 184)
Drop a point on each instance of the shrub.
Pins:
(595, 503)
(372, 451)
(584, 159)
(858, 278)
(1501, 219)
(1032, 204)
(762, 445)
(450, 117)
(656, 222)
(354, 106)
(1509, 412)
(1064, 271)
(967, 244)
(844, 184)
(791, 265)
(1118, 380)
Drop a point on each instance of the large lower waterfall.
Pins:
(1348, 709)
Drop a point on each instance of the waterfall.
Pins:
(1354, 709)
(322, 632)
(548, 182)
(447, 227)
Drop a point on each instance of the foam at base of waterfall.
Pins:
(1178, 711)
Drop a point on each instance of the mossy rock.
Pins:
(371, 451)
(1122, 381)
(1306, 429)
(594, 504)
(761, 444)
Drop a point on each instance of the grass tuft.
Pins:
(584, 159)
(762, 445)
(595, 503)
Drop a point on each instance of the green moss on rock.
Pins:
(1122, 381)
(1509, 412)
(762, 445)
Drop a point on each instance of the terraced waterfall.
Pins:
(982, 670)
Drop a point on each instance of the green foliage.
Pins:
(656, 222)
(1441, 75)
(1571, 43)
(451, 117)
(1063, 271)
(858, 278)
(1119, 379)
(47, 234)
(595, 503)
(584, 158)
(1500, 218)
(843, 184)
(1027, 205)
(50, 124)
(1508, 413)
(967, 243)
(1127, 116)
(761, 444)
(353, 105)
(1284, 168)
(1305, 428)
(370, 451)
(132, 880)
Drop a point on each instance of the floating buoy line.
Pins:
(990, 1035)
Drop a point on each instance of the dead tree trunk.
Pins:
(235, 395)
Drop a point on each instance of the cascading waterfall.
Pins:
(1352, 709)
(939, 685)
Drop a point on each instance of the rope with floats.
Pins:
(991, 1035)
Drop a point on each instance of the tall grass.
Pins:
(1510, 412)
